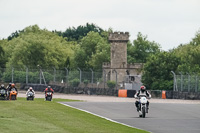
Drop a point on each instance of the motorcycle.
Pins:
(142, 106)
(48, 96)
(13, 95)
(30, 95)
(3, 94)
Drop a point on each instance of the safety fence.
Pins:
(66, 77)
(186, 82)
(46, 76)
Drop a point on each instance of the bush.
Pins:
(111, 84)
(75, 82)
(86, 81)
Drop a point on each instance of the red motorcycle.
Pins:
(48, 96)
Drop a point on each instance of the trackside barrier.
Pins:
(126, 93)
(163, 94)
(122, 93)
(131, 93)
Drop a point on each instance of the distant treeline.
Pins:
(88, 47)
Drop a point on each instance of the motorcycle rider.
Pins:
(3, 88)
(12, 87)
(142, 92)
(9, 86)
(30, 89)
(48, 89)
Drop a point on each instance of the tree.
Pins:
(157, 70)
(75, 34)
(196, 40)
(1, 51)
(80, 58)
(15, 34)
(102, 55)
(38, 47)
(93, 51)
(141, 49)
(3, 57)
(189, 55)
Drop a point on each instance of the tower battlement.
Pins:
(119, 37)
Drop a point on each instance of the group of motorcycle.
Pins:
(48, 94)
(30, 96)
(142, 104)
(11, 93)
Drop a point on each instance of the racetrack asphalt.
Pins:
(162, 117)
(165, 115)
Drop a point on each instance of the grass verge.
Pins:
(41, 116)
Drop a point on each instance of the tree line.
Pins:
(88, 47)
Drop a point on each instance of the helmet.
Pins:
(2, 85)
(142, 88)
(49, 87)
(12, 85)
(30, 88)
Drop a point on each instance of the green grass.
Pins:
(41, 116)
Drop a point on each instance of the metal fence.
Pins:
(46, 76)
(186, 82)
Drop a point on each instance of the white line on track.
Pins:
(101, 116)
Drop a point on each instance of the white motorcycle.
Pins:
(142, 106)
(2, 94)
(30, 95)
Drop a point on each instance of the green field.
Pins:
(41, 116)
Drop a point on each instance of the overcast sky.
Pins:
(167, 22)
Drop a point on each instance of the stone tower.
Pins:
(118, 55)
(118, 49)
(118, 69)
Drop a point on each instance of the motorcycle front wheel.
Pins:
(143, 112)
